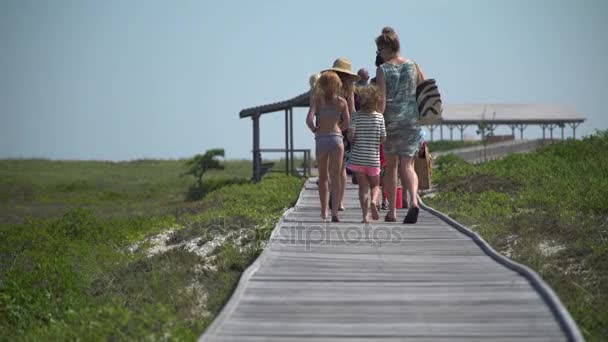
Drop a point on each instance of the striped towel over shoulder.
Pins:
(430, 106)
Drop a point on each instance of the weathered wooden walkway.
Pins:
(432, 281)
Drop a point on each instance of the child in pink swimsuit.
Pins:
(366, 133)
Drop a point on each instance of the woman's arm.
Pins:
(382, 132)
(351, 101)
(420, 73)
(311, 113)
(382, 89)
(345, 115)
(352, 129)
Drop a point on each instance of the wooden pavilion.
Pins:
(484, 116)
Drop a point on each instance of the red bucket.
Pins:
(399, 198)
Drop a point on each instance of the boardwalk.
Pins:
(384, 282)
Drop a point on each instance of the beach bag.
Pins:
(429, 101)
(423, 165)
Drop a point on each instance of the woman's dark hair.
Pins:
(388, 39)
(379, 60)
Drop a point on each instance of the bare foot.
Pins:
(324, 215)
(375, 213)
(365, 219)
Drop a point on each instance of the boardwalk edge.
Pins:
(558, 309)
(229, 307)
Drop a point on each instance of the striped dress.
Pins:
(368, 130)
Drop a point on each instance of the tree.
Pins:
(486, 130)
(199, 164)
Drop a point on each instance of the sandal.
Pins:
(412, 216)
(334, 218)
(384, 205)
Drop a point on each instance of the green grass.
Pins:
(44, 189)
(547, 210)
(71, 273)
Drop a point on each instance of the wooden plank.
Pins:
(404, 329)
(383, 281)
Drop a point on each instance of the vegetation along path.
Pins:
(433, 281)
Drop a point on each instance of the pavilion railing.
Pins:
(260, 168)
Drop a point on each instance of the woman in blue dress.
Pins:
(397, 79)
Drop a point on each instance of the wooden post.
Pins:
(256, 148)
(521, 130)
(286, 142)
(451, 132)
(574, 125)
(513, 131)
(291, 138)
(440, 131)
(551, 127)
(543, 127)
(462, 128)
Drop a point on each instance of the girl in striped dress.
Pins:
(366, 133)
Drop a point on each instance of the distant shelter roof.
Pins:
(510, 113)
(298, 101)
(455, 114)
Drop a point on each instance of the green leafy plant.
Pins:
(198, 166)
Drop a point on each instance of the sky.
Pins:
(123, 80)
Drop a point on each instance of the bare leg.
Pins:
(373, 183)
(382, 189)
(391, 184)
(411, 179)
(322, 159)
(344, 179)
(335, 166)
(403, 181)
(363, 191)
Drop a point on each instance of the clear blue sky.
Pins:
(121, 80)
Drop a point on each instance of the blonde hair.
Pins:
(370, 98)
(314, 78)
(388, 39)
(329, 85)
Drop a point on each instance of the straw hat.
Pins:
(344, 66)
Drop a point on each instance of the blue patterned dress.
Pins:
(401, 111)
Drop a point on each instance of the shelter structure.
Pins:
(486, 117)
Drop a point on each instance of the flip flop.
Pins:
(412, 216)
